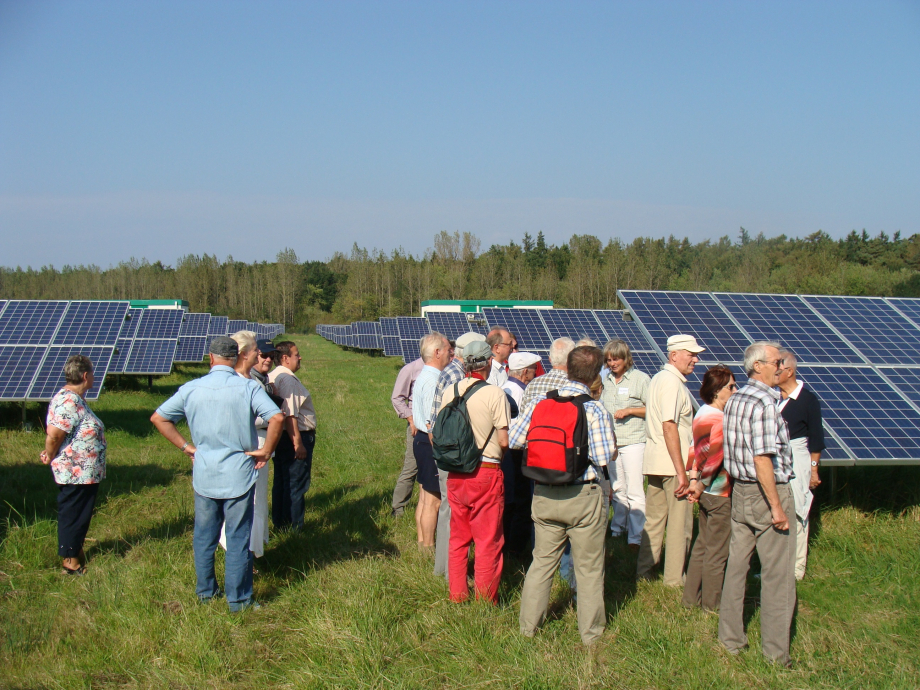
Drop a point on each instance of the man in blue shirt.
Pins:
(221, 409)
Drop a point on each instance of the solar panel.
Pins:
(191, 348)
(908, 306)
(50, 377)
(2, 305)
(526, 324)
(574, 324)
(17, 369)
(389, 326)
(159, 323)
(875, 328)
(91, 323)
(410, 350)
(615, 327)
(152, 357)
(647, 362)
(453, 324)
(392, 346)
(867, 413)
(195, 325)
(694, 313)
(218, 325)
(412, 327)
(235, 325)
(120, 358)
(906, 380)
(30, 322)
(789, 320)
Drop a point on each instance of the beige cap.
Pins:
(684, 342)
(468, 338)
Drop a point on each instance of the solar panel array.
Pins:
(860, 355)
(38, 336)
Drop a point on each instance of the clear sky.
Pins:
(156, 129)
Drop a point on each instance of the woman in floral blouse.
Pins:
(75, 449)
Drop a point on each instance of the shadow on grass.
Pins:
(122, 545)
(28, 492)
(336, 528)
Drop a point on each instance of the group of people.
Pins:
(249, 408)
(748, 457)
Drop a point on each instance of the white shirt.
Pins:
(498, 376)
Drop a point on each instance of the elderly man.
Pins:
(758, 458)
(401, 399)
(573, 512)
(451, 374)
(477, 499)
(294, 457)
(802, 411)
(501, 342)
(436, 353)
(552, 380)
(522, 369)
(669, 420)
(221, 408)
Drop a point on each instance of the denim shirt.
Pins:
(221, 409)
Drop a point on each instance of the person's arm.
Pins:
(767, 480)
(815, 439)
(502, 435)
(290, 425)
(672, 443)
(169, 431)
(402, 389)
(815, 480)
(629, 412)
(272, 436)
(53, 440)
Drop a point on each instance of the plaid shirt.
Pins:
(753, 426)
(538, 388)
(602, 441)
(451, 374)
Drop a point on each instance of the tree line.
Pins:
(584, 273)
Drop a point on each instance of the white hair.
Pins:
(559, 351)
(586, 342)
(756, 352)
(792, 362)
(246, 340)
(428, 344)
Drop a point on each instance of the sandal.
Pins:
(78, 572)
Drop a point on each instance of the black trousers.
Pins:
(518, 522)
(75, 510)
(292, 480)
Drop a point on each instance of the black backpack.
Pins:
(557, 441)
(453, 441)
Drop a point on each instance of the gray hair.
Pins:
(755, 352)
(559, 351)
(246, 340)
(586, 341)
(75, 368)
(428, 344)
(792, 362)
(470, 367)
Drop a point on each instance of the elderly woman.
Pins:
(254, 362)
(75, 449)
(711, 486)
(624, 396)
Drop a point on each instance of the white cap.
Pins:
(522, 360)
(684, 342)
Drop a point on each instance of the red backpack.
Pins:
(557, 441)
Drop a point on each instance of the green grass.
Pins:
(350, 603)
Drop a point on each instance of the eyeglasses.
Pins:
(778, 363)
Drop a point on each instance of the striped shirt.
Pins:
(753, 426)
(602, 441)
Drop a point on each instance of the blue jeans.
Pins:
(236, 514)
(292, 480)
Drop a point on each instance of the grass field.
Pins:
(351, 603)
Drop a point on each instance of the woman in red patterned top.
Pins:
(711, 486)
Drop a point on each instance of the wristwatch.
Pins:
(814, 463)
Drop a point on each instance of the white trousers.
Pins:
(629, 493)
(259, 537)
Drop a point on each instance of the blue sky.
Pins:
(159, 129)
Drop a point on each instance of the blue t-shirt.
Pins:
(221, 409)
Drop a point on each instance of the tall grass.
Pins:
(350, 602)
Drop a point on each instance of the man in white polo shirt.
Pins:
(669, 422)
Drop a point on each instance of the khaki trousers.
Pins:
(752, 528)
(402, 492)
(664, 510)
(706, 569)
(574, 514)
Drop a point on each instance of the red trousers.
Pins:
(477, 503)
